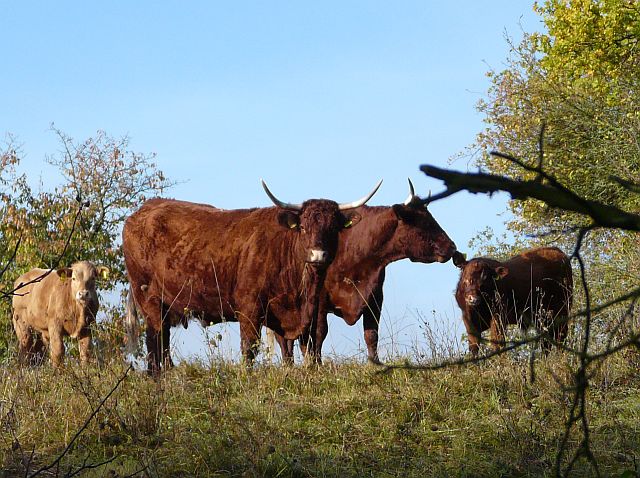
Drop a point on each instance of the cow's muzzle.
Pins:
(83, 296)
(472, 300)
(317, 256)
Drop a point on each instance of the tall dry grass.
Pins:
(342, 419)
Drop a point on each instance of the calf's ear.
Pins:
(501, 272)
(351, 219)
(289, 219)
(103, 271)
(459, 259)
(64, 273)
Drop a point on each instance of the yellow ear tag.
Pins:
(293, 225)
(63, 276)
(349, 223)
(104, 273)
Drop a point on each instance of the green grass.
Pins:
(339, 420)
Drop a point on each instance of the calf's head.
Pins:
(318, 221)
(419, 234)
(82, 282)
(477, 282)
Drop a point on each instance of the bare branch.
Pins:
(553, 195)
(56, 462)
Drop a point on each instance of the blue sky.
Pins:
(321, 99)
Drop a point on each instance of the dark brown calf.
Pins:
(186, 259)
(532, 288)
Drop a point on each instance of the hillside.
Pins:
(341, 419)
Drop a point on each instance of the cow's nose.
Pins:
(317, 256)
(82, 295)
(473, 299)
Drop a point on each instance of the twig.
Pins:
(84, 426)
(552, 194)
(4, 294)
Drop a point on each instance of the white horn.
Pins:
(412, 193)
(360, 202)
(277, 202)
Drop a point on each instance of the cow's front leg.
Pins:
(84, 346)
(474, 336)
(497, 334)
(56, 346)
(371, 324)
(249, 338)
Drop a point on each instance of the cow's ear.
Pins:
(403, 212)
(501, 272)
(351, 219)
(289, 219)
(103, 271)
(64, 273)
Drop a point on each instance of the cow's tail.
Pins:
(131, 324)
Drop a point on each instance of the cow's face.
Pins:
(420, 236)
(318, 223)
(82, 279)
(478, 281)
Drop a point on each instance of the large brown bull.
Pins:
(186, 259)
(353, 286)
(61, 303)
(532, 288)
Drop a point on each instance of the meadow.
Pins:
(339, 419)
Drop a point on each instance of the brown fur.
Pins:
(186, 259)
(49, 308)
(532, 288)
(353, 286)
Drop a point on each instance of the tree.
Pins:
(581, 79)
(102, 175)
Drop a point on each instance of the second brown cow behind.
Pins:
(532, 288)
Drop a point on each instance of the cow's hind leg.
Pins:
(557, 333)
(158, 334)
(25, 338)
(158, 339)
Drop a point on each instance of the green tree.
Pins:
(581, 79)
(100, 173)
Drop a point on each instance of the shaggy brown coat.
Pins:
(186, 259)
(354, 282)
(532, 288)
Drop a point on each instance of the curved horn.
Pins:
(277, 202)
(412, 194)
(360, 202)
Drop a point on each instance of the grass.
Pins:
(343, 419)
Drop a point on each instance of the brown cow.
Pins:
(186, 259)
(62, 303)
(532, 288)
(353, 286)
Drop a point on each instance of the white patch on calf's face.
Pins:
(83, 295)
